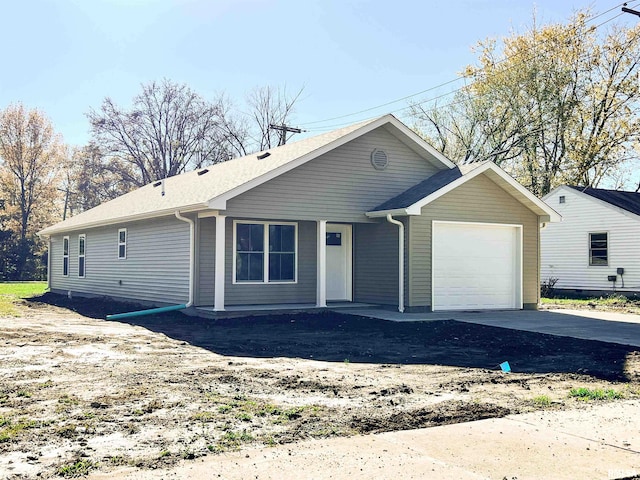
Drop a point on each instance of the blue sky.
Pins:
(64, 56)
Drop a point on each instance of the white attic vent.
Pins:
(379, 159)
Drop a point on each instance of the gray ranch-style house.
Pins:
(369, 213)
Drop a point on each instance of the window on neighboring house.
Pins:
(598, 249)
(82, 248)
(65, 256)
(254, 263)
(122, 243)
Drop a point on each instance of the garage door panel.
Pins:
(475, 266)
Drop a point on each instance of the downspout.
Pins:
(400, 225)
(192, 254)
(170, 308)
(49, 263)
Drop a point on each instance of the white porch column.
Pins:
(220, 262)
(321, 259)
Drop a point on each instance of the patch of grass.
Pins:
(224, 408)
(24, 394)
(11, 430)
(231, 440)
(588, 394)
(205, 416)
(80, 468)
(542, 400)
(164, 453)
(11, 293)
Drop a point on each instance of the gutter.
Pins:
(400, 225)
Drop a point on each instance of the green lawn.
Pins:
(611, 302)
(11, 293)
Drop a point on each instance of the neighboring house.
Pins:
(319, 220)
(595, 248)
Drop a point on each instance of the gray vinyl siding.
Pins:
(478, 200)
(339, 186)
(205, 261)
(156, 269)
(303, 291)
(376, 263)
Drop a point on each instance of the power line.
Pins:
(457, 79)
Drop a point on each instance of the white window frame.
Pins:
(122, 244)
(65, 255)
(265, 268)
(589, 259)
(82, 238)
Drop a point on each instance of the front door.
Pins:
(338, 262)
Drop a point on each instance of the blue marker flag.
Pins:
(505, 367)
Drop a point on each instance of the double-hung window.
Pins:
(82, 248)
(65, 256)
(598, 249)
(265, 252)
(122, 243)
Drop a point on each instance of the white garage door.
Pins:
(476, 266)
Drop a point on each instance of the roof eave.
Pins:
(54, 229)
(384, 213)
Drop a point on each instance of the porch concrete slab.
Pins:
(600, 441)
(622, 328)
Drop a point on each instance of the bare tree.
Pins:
(169, 129)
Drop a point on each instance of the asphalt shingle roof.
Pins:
(427, 187)
(193, 190)
(629, 201)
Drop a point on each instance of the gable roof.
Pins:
(629, 201)
(411, 201)
(211, 187)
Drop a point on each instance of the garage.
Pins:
(476, 266)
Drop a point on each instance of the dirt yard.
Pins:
(79, 393)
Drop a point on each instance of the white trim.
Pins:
(265, 253)
(66, 237)
(49, 263)
(220, 202)
(121, 243)
(415, 209)
(519, 292)
(82, 236)
(220, 264)
(321, 263)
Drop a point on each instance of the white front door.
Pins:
(338, 262)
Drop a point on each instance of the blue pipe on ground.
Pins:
(150, 311)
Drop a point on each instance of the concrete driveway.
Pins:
(622, 328)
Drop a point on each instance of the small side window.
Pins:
(82, 248)
(65, 256)
(598, 249)
(122, 243)
(562, 199)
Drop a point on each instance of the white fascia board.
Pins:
(113, 221)
(220, 202)
(419, 141)
(598, 201)
(384, 213)
(553, 216)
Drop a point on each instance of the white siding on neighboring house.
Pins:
(565, 245)
(156, 268)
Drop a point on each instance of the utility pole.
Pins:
(629, 10)
(283, 132)
(66, 200)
